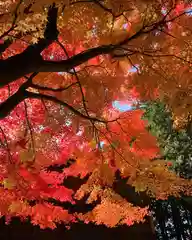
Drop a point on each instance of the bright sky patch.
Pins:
(134, 68)
(122, 107)
(188, 12)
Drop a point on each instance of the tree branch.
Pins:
(21, 64)
(8, 105)
(5, 45)
(55, 100)
(30, 59)
(44, 88)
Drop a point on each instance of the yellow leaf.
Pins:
(26, 155)
(139, 187)
(8, 183)
(14, 207)
(93, 144)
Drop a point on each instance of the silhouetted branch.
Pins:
(30, 130)
(8, 105)
(64, 104)
(13, 25)
(21, 64)
(24, 63)
(52, 89)
(6, 145)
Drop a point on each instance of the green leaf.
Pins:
(132, 141)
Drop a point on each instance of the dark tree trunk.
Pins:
(177, 220)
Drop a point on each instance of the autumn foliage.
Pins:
(63, 66)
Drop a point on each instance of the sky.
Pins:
(121, 106)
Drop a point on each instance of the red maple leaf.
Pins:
(22, 143)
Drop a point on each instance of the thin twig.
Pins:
(30, 129)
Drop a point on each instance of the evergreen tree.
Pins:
(175, 145)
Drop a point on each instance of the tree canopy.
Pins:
(175, 144)
(64, 68)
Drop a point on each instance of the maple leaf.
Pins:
(22, 143)
(62, 194)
